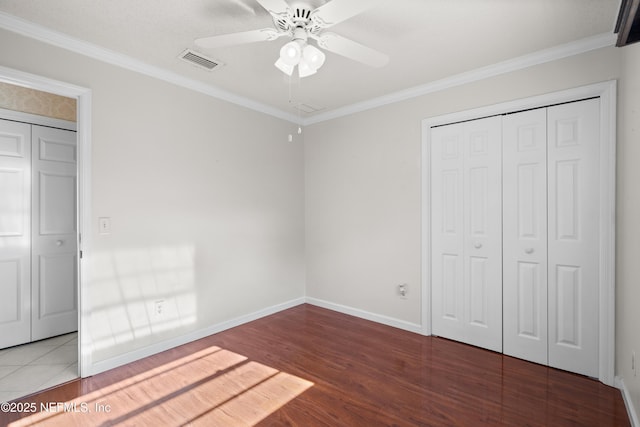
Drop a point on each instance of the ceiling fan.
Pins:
(301, 23)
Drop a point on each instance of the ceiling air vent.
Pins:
(308, 108)
(198, 59)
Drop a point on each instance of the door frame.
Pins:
(606, 91)
(83, 132)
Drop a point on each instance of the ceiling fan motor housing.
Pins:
(295, 18)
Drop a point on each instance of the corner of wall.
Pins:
(628, 402)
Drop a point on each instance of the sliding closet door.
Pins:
(574, 245)
(525, 235)
(15, 236)
(466, 232)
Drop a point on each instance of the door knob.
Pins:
(478, 245)
(529, 250)
(59, 242)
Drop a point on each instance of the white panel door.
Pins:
(524, 160)
(466, 232)
(15, 237)
(447, 231)
(54, 241)
(573, 236)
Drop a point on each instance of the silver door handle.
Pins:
(529, 250)
(59, 242)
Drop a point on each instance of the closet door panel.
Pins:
(525, 235)
(54, 280)
(483, 233)
(15, 233)
(573, 234)
(466, 232)
(447, 232)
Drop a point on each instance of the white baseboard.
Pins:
(132, 356)
(628, 402)
(385, 320)
(123, 359)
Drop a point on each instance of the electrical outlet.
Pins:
(159, 308)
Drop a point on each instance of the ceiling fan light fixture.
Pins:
(305, 69)
(291, 53)
(284, 67)
(313, 56)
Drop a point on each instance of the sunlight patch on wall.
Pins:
(141, 292)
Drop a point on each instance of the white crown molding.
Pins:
(38, 32)
(29, 29)
(518, 63)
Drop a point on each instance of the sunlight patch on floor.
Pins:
(211, 387)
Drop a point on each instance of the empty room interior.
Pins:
(319, 212)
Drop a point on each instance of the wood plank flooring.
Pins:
(308, 366)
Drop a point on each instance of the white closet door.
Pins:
(447, 231)
(466, 232)
(573, 236)
(54, 243)
(525, 235)
(15, 236)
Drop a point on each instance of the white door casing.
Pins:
(466, 232)
(550, 233)
(574, 235)
(604, 174)
(15, 236)
(83, 96)
(524, 191)
(54, 232)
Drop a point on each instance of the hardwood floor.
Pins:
(308, 366)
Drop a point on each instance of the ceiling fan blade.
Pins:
(274, 6)
(352, 50)
(265, 34)
(337, 11)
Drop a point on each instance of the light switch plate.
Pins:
(104, 225)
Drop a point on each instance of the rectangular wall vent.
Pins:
(198, 59)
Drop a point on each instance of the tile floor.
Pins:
(28, 368)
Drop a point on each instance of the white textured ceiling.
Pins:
(427, 40)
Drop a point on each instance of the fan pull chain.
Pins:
(290, 138)
(298, 107)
